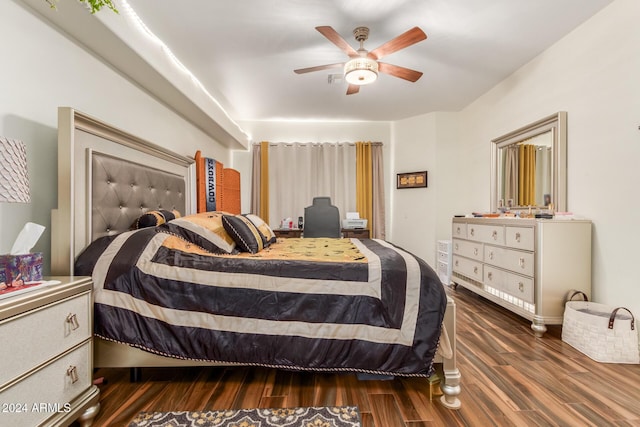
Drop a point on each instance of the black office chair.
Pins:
(321, 219)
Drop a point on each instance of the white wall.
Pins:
(592, 74)
(422, 143)
(290, 131)
(44, 70)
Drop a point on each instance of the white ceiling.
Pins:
(244, 52)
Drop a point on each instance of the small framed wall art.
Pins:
(412, 180)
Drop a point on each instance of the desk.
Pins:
(347, 233)
(356, 233)
(288, 232)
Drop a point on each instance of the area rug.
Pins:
(341, 416)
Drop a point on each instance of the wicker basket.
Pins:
(603, 333)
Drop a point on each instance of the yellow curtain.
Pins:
(264, 181)
(364, 181)
(527, 175)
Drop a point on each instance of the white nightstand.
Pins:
(46, 355)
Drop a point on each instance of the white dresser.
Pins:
(528, 266)
(46, 352)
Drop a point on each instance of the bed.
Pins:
(362, 306)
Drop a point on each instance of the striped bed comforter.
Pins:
(312, 304)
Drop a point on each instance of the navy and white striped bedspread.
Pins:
(383, 316)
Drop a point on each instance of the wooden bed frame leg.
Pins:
(450, 386)
(135, 375)
(451, 389)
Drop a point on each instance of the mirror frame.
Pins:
(557, 124)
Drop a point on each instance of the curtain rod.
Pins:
(271, 144)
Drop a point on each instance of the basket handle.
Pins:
(613, 317)
(574, 293)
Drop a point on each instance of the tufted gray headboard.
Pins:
(106, 179)
(121, 191)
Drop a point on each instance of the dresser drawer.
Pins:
(468, 267)
(486, 233)
(48, 390)
(517, 261)
(39, 335)
(520, 237)
(459, 229)
(519, 286)
(468, 249)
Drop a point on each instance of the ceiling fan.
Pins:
(363, 66)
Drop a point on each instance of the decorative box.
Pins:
(27, 266)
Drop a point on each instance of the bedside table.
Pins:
(47, 355)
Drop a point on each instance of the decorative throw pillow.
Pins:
(154, 218)
(268, 236)
(204, 229)
(243, 232)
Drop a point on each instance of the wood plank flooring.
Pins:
(509, 378)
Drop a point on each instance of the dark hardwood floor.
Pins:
(509, 378)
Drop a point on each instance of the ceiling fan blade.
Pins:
(337, 39)
(401, 72)
(318, 68)
(405, 39)
(353, 89)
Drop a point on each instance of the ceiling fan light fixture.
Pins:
(361, 71)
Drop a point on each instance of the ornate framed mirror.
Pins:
(529, 166)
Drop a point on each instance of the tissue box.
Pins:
(29, 266)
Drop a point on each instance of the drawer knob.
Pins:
(475, 251)
(456, 246)
(458, 230)
(521, 286)
(490, 254)
(456, 263)
(494, 235)
(72, 320)
(517, 237)
(475, 270)
(472, 232)
(72, 372)
(521, 262)
(490, 275)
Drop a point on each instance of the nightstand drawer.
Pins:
(35, 337)
(47, 391)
